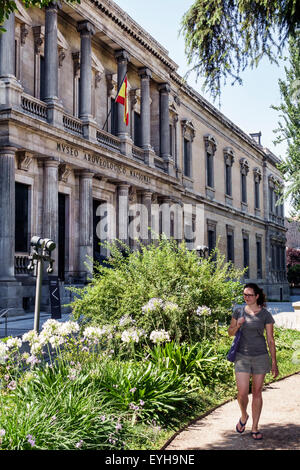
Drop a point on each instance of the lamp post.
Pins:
(41, 249)
(202, 251)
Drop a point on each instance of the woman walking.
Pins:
(252, 358)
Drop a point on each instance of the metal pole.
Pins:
(40, 267)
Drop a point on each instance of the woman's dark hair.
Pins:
(257, 291)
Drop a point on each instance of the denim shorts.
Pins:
(252, 364)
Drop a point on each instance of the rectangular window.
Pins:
(22, 218)
(137, 130)
(230, 247)
(244, 189)
(113, 116)
(171, 140)
(256, 195)
(42, 77)
(211, 238)
(246, 255)
(259, 259)
(209, 170)
(187, 158)
(228, 183)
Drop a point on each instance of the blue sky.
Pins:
(249, 105)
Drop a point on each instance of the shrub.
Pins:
(174, 276)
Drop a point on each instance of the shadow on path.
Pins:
(276, 437)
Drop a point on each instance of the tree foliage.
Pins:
(289, 126)
(223, 37)
(8, 6)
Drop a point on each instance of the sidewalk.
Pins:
(18, 325)
(279, 423)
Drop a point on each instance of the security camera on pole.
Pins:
(41, 249)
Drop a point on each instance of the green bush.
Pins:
(174, 276)
(293, 275)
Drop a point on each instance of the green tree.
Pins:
(289, 126)
(223, 37)
(8, 6)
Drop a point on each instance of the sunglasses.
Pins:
(249, 295)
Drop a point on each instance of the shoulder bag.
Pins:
(232, 351)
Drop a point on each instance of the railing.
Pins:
(21, 263)
(108, 140)
(34, 107)
(73, 124)
(138, 153)
(4, 314)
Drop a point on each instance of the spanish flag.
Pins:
(122, 98)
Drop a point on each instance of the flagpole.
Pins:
(115, 100)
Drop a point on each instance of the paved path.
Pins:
(279, 423)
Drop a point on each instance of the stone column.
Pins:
(164, 124)
(7, 48)
(165, 215)
(145, 75)
(85, 222)
(122, 212)
(10, 89)
(86, 30)
(7, 213)
(51, 53)
(146, 217)
(10, 289)
(50, 205)
(122, 59)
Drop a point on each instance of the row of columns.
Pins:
(50, 211)
(87, 30)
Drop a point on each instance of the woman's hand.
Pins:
(240, 322)
(275, 370)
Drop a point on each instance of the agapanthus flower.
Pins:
(14, 342)
(131, 335)
(153, 304)
(203, 311)
(159, 336)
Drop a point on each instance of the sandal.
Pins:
(243, 425)
(255, 434)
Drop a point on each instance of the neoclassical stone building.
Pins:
(73, 171)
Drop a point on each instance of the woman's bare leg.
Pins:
(242, 382)
(257, 401)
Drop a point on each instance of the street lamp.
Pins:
(202, 251)
(41, 249)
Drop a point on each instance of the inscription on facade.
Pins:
(103, 163)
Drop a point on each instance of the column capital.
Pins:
(164, 88)
(86, 174)
(145, 72)
(85, 28)
(8, 150)
(54, 6)
(51, 162)
(122, 56)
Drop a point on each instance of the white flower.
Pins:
(14, 343)
(68, 327)
(126, 320)
(56, 341)
(131, 335)
(203, 311)
(94, 332)
(159, 336)
(36, 348)
(3, 351)
(32, 360)
(31, 336)
(153, 304)
(51, 325)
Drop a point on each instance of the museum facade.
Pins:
(72, 169)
